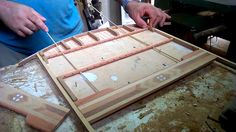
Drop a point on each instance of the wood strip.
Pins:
(67, 97)
(93, 44)
(128, 28)
(88, 82)
(62, 82)
(64, 45)
(95, 109)
(225, 67)
(36, 110)
(111, 60)
(93, 36)
(195, 52)
(93, 96)
(113, 32)
(26, 60)
(43, 57)
(77, 41)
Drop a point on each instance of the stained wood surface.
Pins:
(39, 113)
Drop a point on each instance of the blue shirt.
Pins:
(63, 21)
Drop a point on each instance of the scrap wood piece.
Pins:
(122, 97)
(117, 58)
(39, 113)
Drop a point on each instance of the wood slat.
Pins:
(66, 46)
(92, 35)
(77, 41)
(113, 32)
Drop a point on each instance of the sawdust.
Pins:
(146, 112)
(188, 117)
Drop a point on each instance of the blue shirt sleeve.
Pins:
(63, 21)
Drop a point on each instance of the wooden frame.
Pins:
(106, 101)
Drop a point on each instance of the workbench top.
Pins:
(188, 104)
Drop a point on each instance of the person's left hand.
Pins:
(138, 10)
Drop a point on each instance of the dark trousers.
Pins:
(9, 57)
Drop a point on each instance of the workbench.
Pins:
(190, 104)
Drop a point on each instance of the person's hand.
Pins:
(22, 19)
(138, 10)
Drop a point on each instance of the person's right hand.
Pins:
(22, 19)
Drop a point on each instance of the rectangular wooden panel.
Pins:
(105, 74)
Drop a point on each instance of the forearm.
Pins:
(3, 7)
(20, 18)
(124, 3)
(137, 10)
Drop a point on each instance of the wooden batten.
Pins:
(117, 58)
(113, 32)
(77, 41)
(68, 90)
(64, 45)
(128, 28)
(93, 36)
(43, 57)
